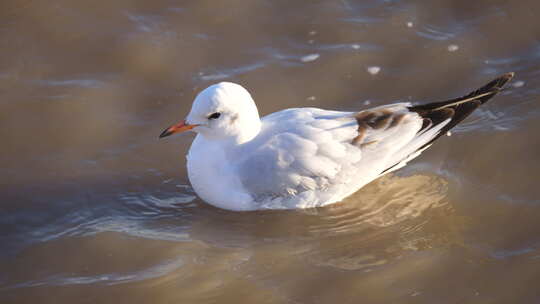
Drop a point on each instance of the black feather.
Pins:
(458, 108)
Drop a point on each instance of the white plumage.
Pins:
(304, 157)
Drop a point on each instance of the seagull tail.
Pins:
(459, 108)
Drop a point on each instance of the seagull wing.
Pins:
(306, 149)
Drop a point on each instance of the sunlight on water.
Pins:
(96, 209)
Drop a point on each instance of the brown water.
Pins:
(94, 209)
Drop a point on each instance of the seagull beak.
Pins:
(180, 127)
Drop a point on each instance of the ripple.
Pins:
(435, 33)
(156, 203)
(155, 271)
(504, 254)
(141, 229)
(142, 214)
(227, 73)
(363, 20)
(349, 46)
(84, 209)
(146, 23)
(310, 57)
(83, 83)
(484, 119)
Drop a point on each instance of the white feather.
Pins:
(295, 158)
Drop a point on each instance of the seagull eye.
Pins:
(214, 115)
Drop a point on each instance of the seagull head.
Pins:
(223, 111)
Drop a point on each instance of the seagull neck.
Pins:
(248, 133)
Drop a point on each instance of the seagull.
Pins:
(306, 157)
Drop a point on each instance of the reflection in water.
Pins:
(391, 200)
(94, 209)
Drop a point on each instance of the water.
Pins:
(95, 209)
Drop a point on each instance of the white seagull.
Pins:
(306, 157)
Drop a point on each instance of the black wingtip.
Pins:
(459, 108)
(482, 95)
(494, 86)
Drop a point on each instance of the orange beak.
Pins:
(180, 127)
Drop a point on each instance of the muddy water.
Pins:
(94, 209)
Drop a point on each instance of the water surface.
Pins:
(94, 209)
